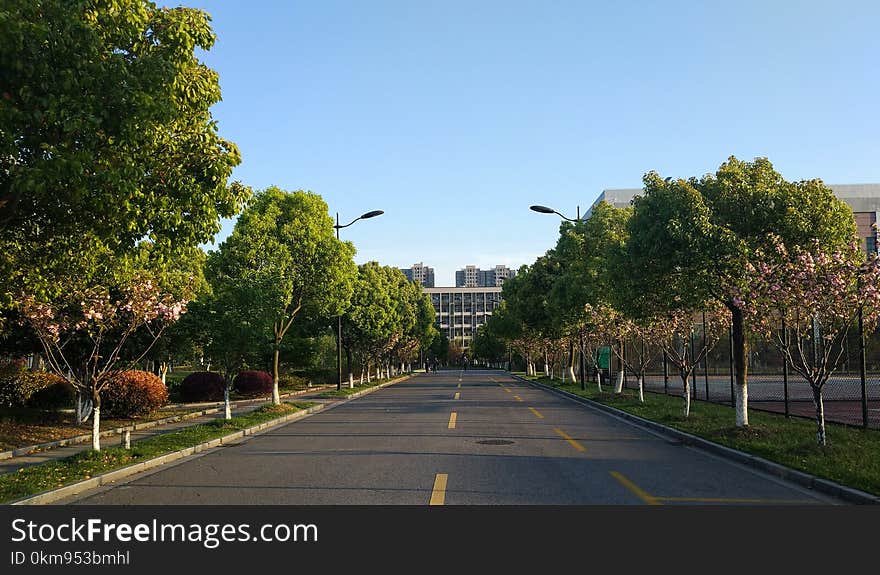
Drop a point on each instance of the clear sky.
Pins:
(454, 116)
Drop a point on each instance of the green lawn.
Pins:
(852, 456)
(86, 464)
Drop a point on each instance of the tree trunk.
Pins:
(227, 408)
(686, 384)
(362, 376)
(276, 396)
(96, 420)
(369, 373)
(599, 379)
(571, 358)
(641, 388)
(618, 387)
(348, 365)
(820, 415)
(741, 393)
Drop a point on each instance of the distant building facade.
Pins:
(420, 273)
(459, 311)
(863, 199)
(472, 276)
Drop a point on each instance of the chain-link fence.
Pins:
(773, 386)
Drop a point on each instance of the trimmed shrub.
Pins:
(132, 394)
(290, 381)
(253, 383)
(202, 386)
(55, 392)
(18, 384)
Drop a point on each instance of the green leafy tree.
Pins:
(283, 251)
(106, 138)
(691, 241)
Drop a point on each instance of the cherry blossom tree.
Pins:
(84, 335)
(819, 294)
(675, 333)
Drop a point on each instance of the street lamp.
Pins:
(546, 210)
(338, 227)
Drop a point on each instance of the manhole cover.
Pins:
(495, 442)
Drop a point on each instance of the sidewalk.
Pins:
(37, 454)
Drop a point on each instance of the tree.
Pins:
(106, 137)
(691, 240)
(817, 296)
(283, 244)
(85, 335)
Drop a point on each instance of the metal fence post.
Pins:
(785, 367)
(863, 370)
(665, 374)
(730, 341)
(705, 358)
(694, 370)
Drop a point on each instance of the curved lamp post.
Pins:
(546, 210)
(338, 227)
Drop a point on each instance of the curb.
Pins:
(106, 478)
(117, 474)
(825, 486)
(85, 438)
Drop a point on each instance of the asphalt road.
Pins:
(453, 438)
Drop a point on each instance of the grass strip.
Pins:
(347, 391)
(84, 465)
(851, 457)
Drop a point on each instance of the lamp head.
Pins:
(372, 214)
(542, 209)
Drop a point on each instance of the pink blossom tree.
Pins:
(84, 336)
(675, 332)
(819, 295)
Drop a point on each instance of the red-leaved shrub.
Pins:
(253, 383)
(132, 394)
(202, 386)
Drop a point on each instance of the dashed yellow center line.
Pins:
(438, 494)
(452, 417)
(635, 489)
(518, 398)
(459, 386)
(571, 440)
(507, 390)
(536, 412)
(457, 395)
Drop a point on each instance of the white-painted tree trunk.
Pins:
(599, 380)
(227, 407)
(820, 416)
(741, 401)
(546, 370)
(641, 389)
(350, 380)
(618, 387)
(362, 376)
(687, 396)
(572, 374)
(369, 375)
(276, 394)
(96, 428)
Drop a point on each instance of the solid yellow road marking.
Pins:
(457, 394)
(459, 386)
(452, 417)
(732, 500)
(635, 489)
(518, 398)
(535, 411)
(570, 439)
(438, 495)
(507, 390)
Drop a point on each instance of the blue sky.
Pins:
(455, 116)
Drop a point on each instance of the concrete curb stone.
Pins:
(109, 477)
(804, 479)
(28, 449)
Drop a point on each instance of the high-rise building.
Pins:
(459, 311)
(472, 276)
(420, 273)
